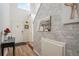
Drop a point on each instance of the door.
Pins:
(17, 30)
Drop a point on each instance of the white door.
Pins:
(17, 29)
(26, 35)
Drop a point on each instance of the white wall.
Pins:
(1, 21)
(11, 16)
(16, 22)
(18, 18)
(4, 18)
(0, 24)
(6, 15)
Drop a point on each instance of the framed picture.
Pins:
(70, 13)
(26, 26)
(73, 7)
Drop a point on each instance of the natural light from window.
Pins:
(24, 6)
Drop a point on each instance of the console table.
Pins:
(8, 43)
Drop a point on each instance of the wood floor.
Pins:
(22, 50)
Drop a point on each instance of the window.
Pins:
(24, 6)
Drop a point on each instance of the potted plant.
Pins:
(6, 31)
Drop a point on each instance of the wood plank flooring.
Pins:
(22, 50)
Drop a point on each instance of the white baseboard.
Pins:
(36, 52)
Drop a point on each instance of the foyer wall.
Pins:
(60, 32)
(4, 18)
(1, 21)
(18, 19)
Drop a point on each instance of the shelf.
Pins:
(71, 21)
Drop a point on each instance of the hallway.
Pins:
(22, 50)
